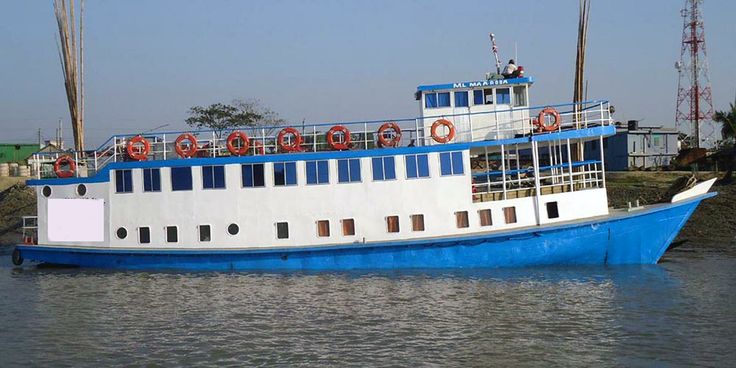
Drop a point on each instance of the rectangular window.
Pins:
(509, 215)
(318, 172)
(123, 181)
(417, 166)
(461, 219)
(417, 222)
(520, 96)
(478, 97)
(485, 217)
(323, 228)
(451, 163)
(434, 99)
(151, 180)
(284, 173)
(443, 99)
(348, 227)
(205, 233)
(348, 170)
(384, 168)
(503, 96)
(144, 235)
(430, 100)
(461, 99)
(181, 178)
(282, 230)
(172, 235)
(552, 210)
(253, 175)
(392, 224)
(213, 177)
(488, 96)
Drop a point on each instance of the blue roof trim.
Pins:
(474, 84)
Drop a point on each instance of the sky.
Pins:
(148, 62)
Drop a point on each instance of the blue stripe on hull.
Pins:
(639, 237)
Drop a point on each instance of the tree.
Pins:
(238, 114)
(728, 119)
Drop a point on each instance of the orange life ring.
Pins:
(258, 148)
(295, 143)
(189, 152)
(540, 120)
(231, 143)
(393, 142)
(65, 160)
(449, 136)
(345, 144)
(134, 151)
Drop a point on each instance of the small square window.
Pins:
(509, 215)
(282, 230)
(392, 224)
(461, 219)
(485, 217)
(205, 233)
(144, 235)
(323, 228)
(348, 227)
(417, 222)
(552, 211)
(172, 235)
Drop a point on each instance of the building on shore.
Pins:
(636, 147)
(17, 152)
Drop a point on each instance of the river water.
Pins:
(680, 312)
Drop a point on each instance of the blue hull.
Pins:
(638, 237)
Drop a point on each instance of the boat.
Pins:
(480, 179)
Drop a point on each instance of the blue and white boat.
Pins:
(479, 179)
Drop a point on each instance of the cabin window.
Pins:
(509, 215)
(151, 180)
(488, 96)
(284, 173)
(318, 172)
(417, 166)
(253, 175)
(282, 230)
(46, 191)
(434, 99)
(81, 190)
(348, 170)
(520, 96)
(144, 235)
(657, 140)
(392, 224)
(384, 168)
(503, 96)
(417, 222)
(485, 217)
(461, 99)
(323, 228)
(451, 163)
(121, 233)
(181, 178)
(552, 210)
(478, 97)
(205, 233)
(461, 219)
(172, 234)
(348, 227)
(123, 181)
(233, 229)
(213, 177)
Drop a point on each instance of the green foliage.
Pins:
(238, 114)
(728, 119)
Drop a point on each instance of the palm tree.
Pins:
(728, 119)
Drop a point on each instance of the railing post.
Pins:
(163, 142)
(263, 140)
(569, 166)
(76, 160)
(214, 143)
(603, 161)
(470, 124)
(503, 169)
(314, 138)
(114, 149)
(416, 131)
(365, 134)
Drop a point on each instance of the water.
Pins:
(680, 312)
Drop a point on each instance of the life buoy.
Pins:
(345, 144)
(65, 160)
(445, 123)
(541, 126)
(234, 136)
(137, 152)
(295, 144)
(182, 151)
(393, 142)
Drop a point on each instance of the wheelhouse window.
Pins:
(417, 166)
(392, 224)
(205, 233)
(461, 99)
(435, 99)
(488, 96)
(348, 227)
(509, 215)
(384, 168)
(552, 210)
(144, 235)
(284, 173)
(461, 219)
(181, 178)
(318, 172)
(151, 180)
(123, 181)
(520, 96)
(213, 177)
(485, 217)
(348, 170)
(451, 163)
(323, 228)
(417, 222)
(478, 97)
(252, 175)
(172, 235)
(503, 96)
(282, 230)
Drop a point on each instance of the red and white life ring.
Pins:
(231, 141)
(138, 148)
(541, 126)
(443, 139)
(65, 160)
(186, 152)
(345, 144)
(296, 142)
(385, 130)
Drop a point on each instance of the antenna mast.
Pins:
(495, 53)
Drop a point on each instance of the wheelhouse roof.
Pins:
(474, 84)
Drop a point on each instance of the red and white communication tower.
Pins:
(694, 101)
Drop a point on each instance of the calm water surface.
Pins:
(681, 312)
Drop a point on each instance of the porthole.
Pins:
(46, 191)
(233, 229)
(81, 189)
(121, 233)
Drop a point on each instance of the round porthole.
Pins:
(46, 191)
(81, 189)
(121, 233)
(233, 229)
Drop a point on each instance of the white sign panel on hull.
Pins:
(77, 220)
